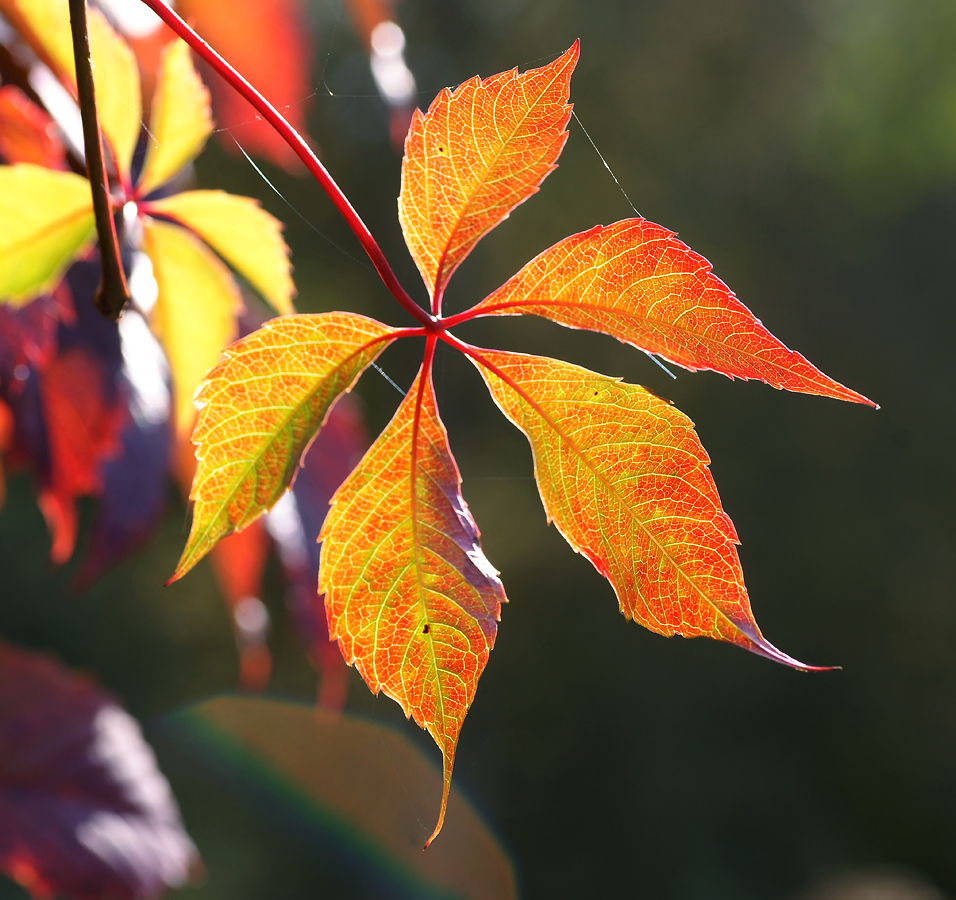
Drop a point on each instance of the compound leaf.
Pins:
(243, 234)
(45, 218)
(411, 598)
(476, 155)
(625, 480)
(180, 120)
(259, 410)
(195, 313)
(635, 281)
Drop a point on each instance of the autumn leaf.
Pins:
(195, 312)
(635, 281)
(624, 478)
(84, 811)
(242, 233)
(27, 133)
(269, 44)
(47, 218)
(259, 410)
(180, 120)
(45, 25)
(476, 155)
(411, 598)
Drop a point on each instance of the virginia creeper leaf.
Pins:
(180, 120)
(45, 25)
(45, 218)
(476, 155)
(625, 480)
(259, 410)
(411, 598)
(27, 133)
(84, 811)
(635, 281)
(243, 234)
(195, 313)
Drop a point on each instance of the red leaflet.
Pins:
(474, 157)
(635, 281)
(411, 598)
(268, 42)
(83, 429)
(27, 133)
(84, 812)
(625, 479)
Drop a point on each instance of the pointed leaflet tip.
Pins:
(625, 480)
(476, 155)
(447, 764)
(400, 551)
(637, 282)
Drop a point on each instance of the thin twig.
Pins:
(112, 295)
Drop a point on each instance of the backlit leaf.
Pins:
(411, 598)
(268, 43)
(180, 120)
(261, 407)
(625, 480)
(27, 133)
(476, 155)
(243, 234)
(45, 25)
(45, 218)
(195, 313)
(635, 281)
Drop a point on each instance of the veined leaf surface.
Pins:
(45, 25)
(180, 120)
(476, 155)
(45, 218)
(625, 480)
(411, 597)
(637, 282)
(195, 313)
(260, 409)
(242, 233)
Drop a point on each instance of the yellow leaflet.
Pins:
(243, 234)
(45, 25)
(195, 313)
(180, 120)
(260, 408)
(45, 218)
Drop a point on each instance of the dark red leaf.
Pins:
(84, 811)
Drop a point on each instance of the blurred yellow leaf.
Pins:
(180, 121)
(45, 25)
(45, 218)
(195, 313)
(243, 234)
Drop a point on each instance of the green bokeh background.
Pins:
(807, 148)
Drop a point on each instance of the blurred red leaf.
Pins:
(269, 44)
(83, 809)
(83, 426)
(27, 133)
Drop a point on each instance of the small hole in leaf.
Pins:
(426, 629)
(441, 149)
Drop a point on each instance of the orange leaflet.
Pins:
(411, 597)
(27, 133)
(474, 157)
(635, 281)
(625, 480)
(260, 409)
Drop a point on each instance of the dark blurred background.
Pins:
(808, 149)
